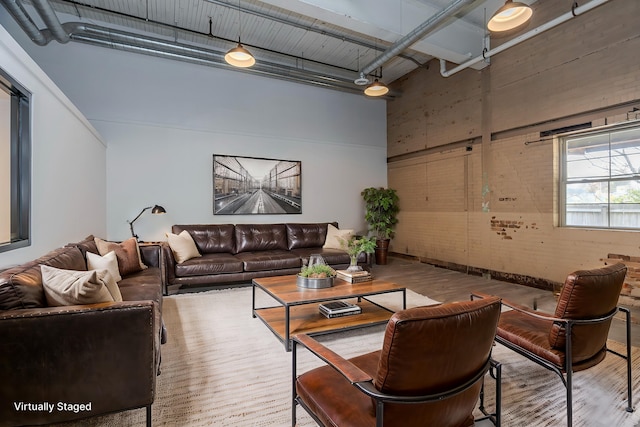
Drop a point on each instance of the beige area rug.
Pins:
(221, 367)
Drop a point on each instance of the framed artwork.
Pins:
(254, 186)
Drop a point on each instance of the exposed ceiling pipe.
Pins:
(526, 36)
(16, 10)
(130, 42)
(415, 35)
(50, 19)
(138, 43)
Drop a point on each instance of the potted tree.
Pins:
(381, 210)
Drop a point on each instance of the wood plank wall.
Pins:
(477, 185)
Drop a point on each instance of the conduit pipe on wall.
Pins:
(418, 33)
(526, 36)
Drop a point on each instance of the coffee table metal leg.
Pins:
(287, 341)
(253, 302)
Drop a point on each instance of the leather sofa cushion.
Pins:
(306, 235)
(210, 238)
(21, 286)
(209, 264)
(142, 286)
(269, 260)
(260, 237)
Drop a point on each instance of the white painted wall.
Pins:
(68, 183)
(163, 120)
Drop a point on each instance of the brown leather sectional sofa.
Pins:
(71, 362)
(241, 252)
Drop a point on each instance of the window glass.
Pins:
(600, 180)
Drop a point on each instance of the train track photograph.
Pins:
(247, 185)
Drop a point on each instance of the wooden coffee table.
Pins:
(298, 311)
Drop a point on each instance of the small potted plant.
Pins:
(355, 246)
(381, 210)
(316, 276)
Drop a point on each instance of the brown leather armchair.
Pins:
(424, 375)
(575, 338)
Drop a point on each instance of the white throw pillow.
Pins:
(107, 262)
(335, 237)
(70, 287)
(182, 246)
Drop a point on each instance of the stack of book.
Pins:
(354, 276)
(339, 309)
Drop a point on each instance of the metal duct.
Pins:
(50, 19)
(415, 35)
(15, 9)
(130, 42)
(521, 38)
(138, 43)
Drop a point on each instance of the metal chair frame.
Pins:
(566, 372)
(366, 386)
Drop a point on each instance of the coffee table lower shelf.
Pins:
(307, 319)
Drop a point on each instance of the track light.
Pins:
(510, 16)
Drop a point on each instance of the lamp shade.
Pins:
(376, 89)
(157, 209)
(239, 57)
(510, 16)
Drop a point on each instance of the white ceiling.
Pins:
(335, 39)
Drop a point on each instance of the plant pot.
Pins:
(382, 249)
(314, 283)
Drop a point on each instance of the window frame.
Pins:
(20, 148)
(563, 181)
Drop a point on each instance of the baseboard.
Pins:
(520, 279)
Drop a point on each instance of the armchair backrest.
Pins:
(587, 294)
(429, 350)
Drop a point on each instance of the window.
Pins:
(600, 178)
(15, 164)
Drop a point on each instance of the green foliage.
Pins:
(632, 196)
(317, 271)
(381, 210)
(356, 245)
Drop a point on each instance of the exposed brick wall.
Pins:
(477, 184)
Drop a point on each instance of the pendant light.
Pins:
(239, 56)
(510, 16)
(377, 88)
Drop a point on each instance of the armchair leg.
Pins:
(627, 313)
(496, 373)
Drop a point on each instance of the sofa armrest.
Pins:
(153, 255)
(104, 356)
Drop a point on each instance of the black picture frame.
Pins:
(256, 186)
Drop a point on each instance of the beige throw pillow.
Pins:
(182, 246)
(127, 252)
(335, 237)
(108, 262)
(69, 287)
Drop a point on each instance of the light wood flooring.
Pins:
(446, 285)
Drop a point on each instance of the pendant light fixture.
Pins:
(239, 56)
(377, 88)
(510, 16)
